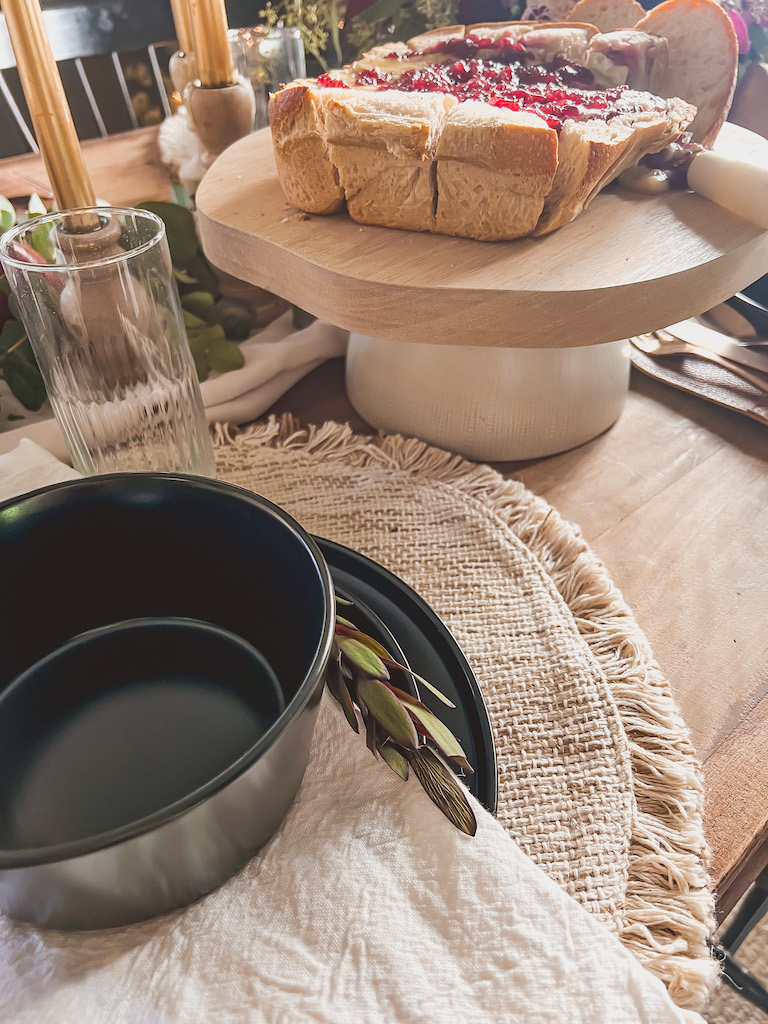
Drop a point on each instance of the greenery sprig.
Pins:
(398, 727)
(214, 325)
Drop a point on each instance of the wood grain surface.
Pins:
(125, 169)
(628, 264)
(674, 499)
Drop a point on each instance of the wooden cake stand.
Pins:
(497, 350)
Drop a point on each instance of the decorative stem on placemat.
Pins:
(397, 725)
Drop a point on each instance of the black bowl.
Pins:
(89, 553)
(123, 722)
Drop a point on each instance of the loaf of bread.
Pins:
(500, 131)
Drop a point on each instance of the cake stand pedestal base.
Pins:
(493, 404)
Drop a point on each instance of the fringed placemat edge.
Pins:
(670, 905)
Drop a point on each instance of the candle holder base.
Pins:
(219, 116)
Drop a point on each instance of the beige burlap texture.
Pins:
(598, 781)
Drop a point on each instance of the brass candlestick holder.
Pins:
(221, 105)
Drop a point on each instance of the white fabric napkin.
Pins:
(275, 359)
(367, 907)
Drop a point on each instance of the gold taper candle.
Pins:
(183, 22)
(211, 45)
(48, 107)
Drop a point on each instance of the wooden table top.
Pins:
(673, 498)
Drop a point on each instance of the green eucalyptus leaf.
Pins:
(11, 334)
(7, 214)
(346, 622)
(388, 711)
(420, 679)
(367, 641)
(198, 343)
(24, 380)
(433, 689)
(13, 307)
(362, 657)
(394, 759)
(224, 356)
(36, 207)
(212, 335)
(200, 304)
(40, 240)
(442, 788)
(371, 739)
(180, 232)
(202, 271)
(338, 689)
(343, 600)
(192, 322)
(6, 288)
(440, 733)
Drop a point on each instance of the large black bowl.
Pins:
(87, 553)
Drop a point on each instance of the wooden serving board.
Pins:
(628, 264)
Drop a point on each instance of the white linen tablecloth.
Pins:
(276, 357)
(367, 907)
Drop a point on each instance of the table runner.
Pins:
(598, 780)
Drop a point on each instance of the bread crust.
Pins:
(693, 27)
(382, 145)
(608, 15)
(594, 153)
(496, 190)
(423, 161)
(306, 172)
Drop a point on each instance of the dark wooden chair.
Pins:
(113, 58)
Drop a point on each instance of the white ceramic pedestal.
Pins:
(495, 404)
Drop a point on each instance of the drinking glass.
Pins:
(268, 58)
(97, 297)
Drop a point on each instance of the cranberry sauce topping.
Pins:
(556, 91)
(328, 82)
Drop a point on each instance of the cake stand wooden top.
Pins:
(630, 263)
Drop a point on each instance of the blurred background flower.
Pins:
(750, 20)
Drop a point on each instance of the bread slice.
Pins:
(494, 170)
(497, 30)
(560, 39)
(382, 146)
(703, 59)
(439, 35)
(307, 175)
(629, 57)
(593, 153)
(607, 15)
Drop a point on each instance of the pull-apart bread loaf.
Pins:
(499, 131)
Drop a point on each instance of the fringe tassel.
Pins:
(669, 912)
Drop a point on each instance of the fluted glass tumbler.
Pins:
(96, 294)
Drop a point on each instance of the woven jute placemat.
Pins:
(598, 781)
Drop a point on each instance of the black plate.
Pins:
(429, 649)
